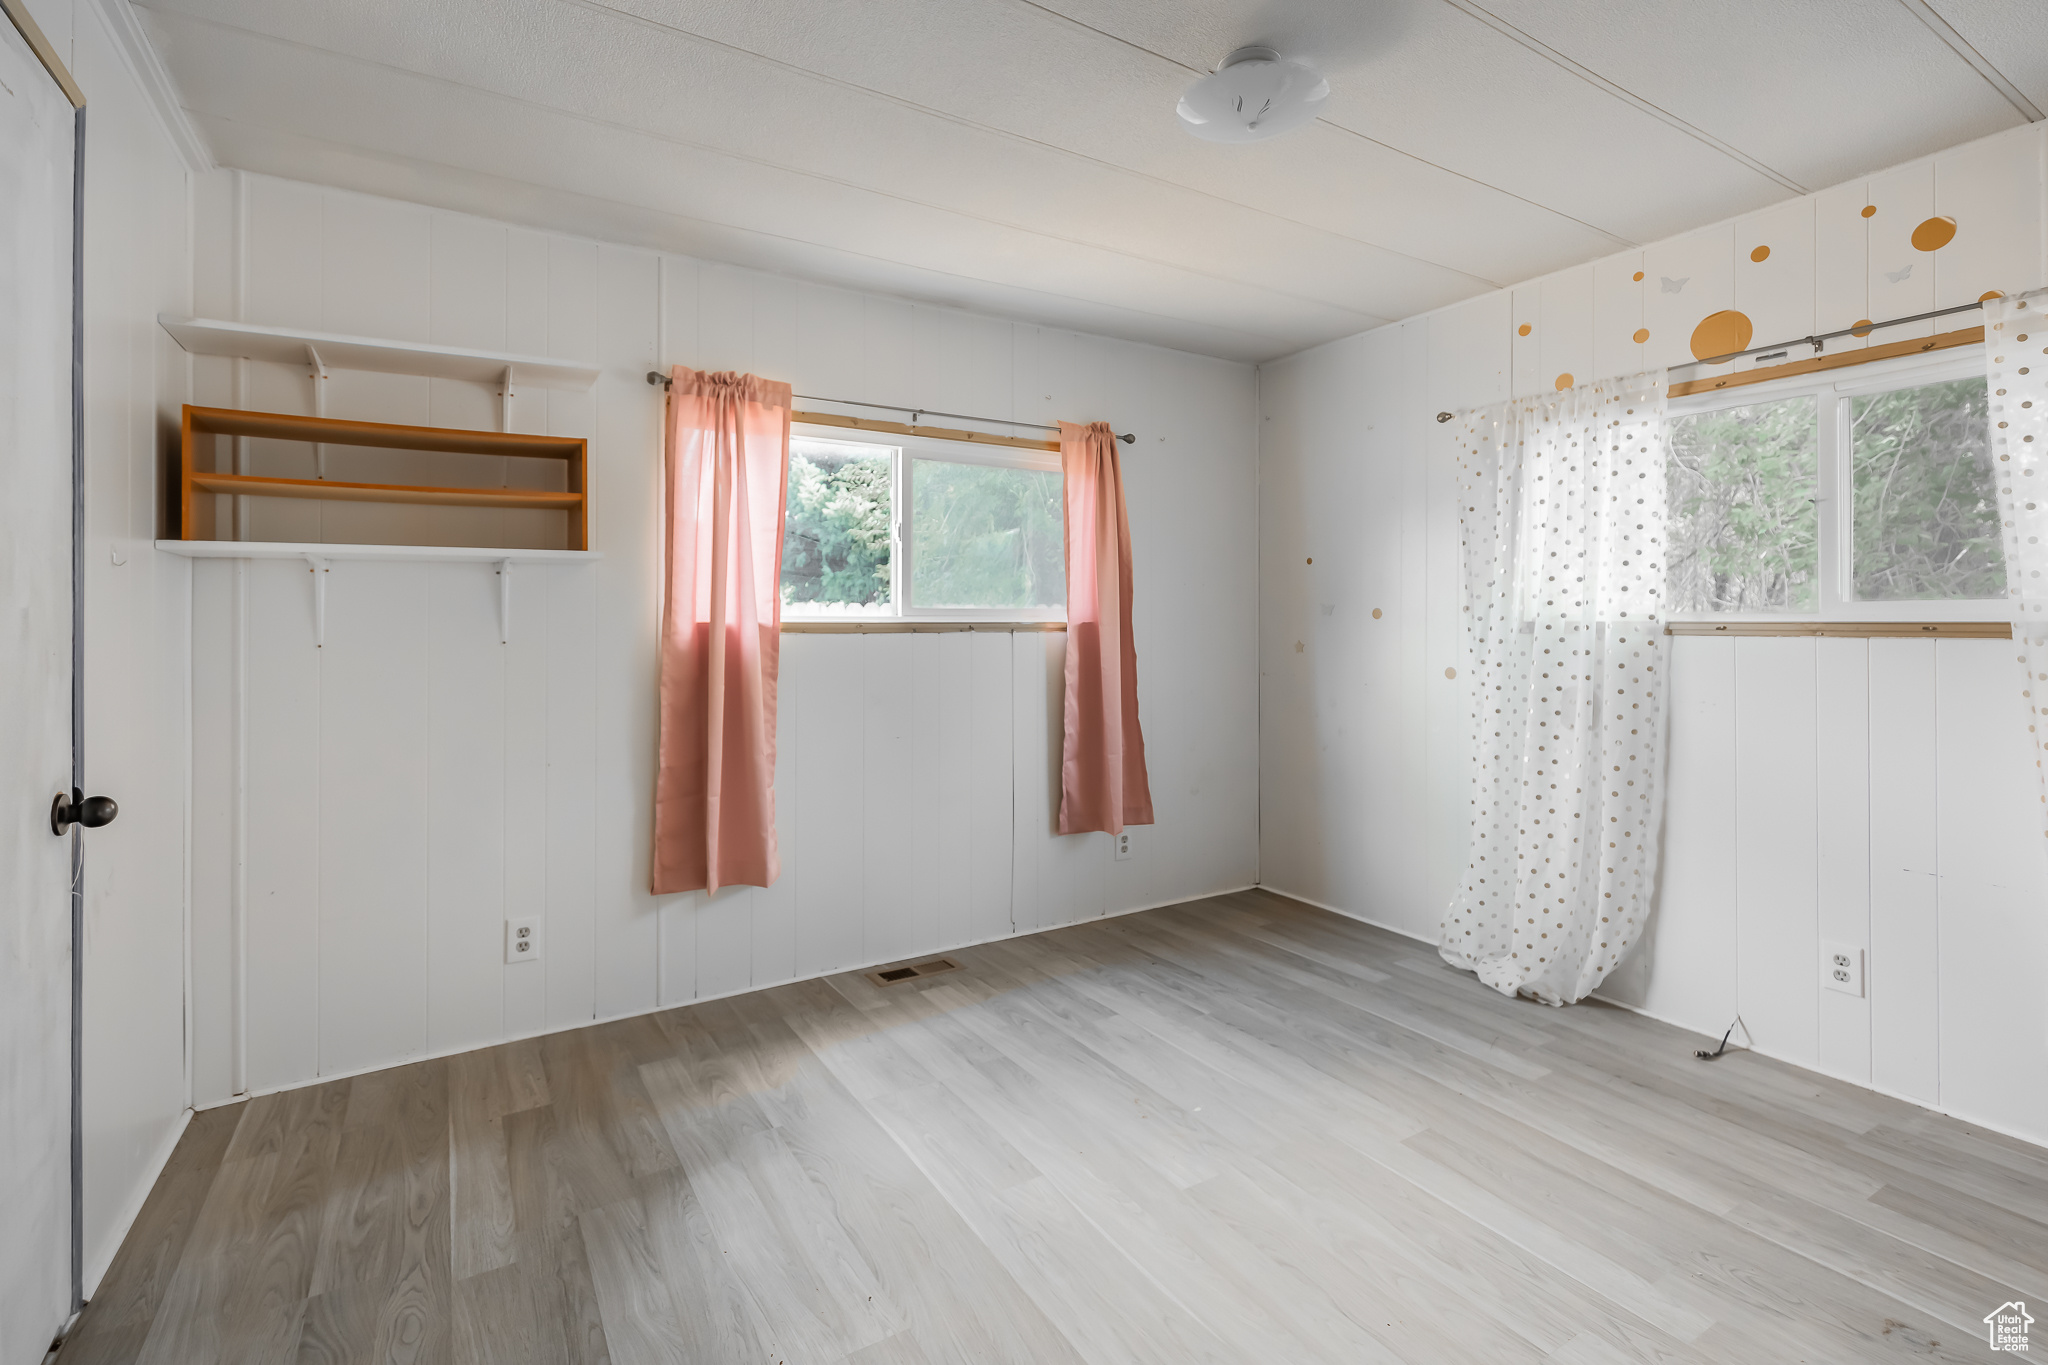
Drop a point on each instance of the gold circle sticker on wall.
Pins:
(1934, 234)
(1990, 294)
(1861, 329)
(1523, 330)
(1639, 277)
(1450, 673)
(1760, 255)
(1869, 209)
(1375, 613)
(1564, 381)
(1721, 333)
(1642, 335)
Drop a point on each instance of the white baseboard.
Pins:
(1959, 1115)
(704, 999)
(2039, 1139)
(100, 1258)
(1348, 914)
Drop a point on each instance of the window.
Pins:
(922, 529)
(1862, 498)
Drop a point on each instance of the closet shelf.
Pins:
(292, 346)
(307, 549)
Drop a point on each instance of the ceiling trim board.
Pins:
(1594, 78)
(159, 91)
(672, 140)
(1964, 48)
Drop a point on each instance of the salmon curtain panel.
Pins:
(726, 459)
(1102, 766)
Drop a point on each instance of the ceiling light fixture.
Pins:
(1252, 96)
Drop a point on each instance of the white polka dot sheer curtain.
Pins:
(2016, 370)
(1563, 531)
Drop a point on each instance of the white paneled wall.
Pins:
(1875, 793)
(369, 812)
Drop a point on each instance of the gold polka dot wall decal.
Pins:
(1311, 559)
(1760, 255)
(1564, 381)
(1721, 333)
(1523, 330)
(1375, 613)
(1861, 329)
(1642, 335)
(1990, 294)
(1934, 234)
(1869, 209)
(1639, 277)
(1450, 673)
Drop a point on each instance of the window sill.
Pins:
(1963, 630)
(899, 627)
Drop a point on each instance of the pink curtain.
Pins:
(1102, 768)
(726, 460)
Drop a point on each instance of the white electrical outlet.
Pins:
(1123, 845)
(1841, 968)
(522, 939)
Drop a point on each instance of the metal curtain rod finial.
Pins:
(1128, 438)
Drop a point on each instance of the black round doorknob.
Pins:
(80, 809)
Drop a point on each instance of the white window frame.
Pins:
(1833, 391)
(905, 449)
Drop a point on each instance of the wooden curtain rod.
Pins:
(1868, 630)
(1967, 336)
(912, 428)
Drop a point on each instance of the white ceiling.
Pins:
(1023, 158)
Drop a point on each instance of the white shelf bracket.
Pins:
(505, 401)
(318, 566)
(319, 406)
(504, 601)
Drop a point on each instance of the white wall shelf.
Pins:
(320, 559)
(320, 351)
(289, 346)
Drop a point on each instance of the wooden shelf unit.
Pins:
(202, 422)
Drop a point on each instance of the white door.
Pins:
(35, 702)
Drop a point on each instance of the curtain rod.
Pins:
(1128, 438)
(1818, 341)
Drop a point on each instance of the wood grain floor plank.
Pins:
(633, 1298)
(555, 1271)
(1239, 1129)
(494, 1320)
(134, 1287)
(240, 1287)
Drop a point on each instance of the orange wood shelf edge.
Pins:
(200, 422)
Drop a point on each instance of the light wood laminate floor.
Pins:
(1235, 1130)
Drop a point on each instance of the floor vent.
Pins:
(890, 976)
